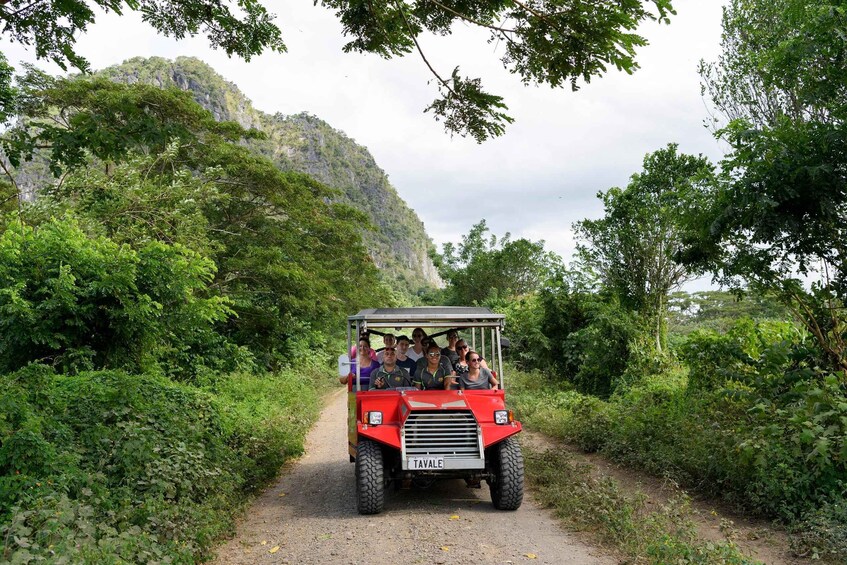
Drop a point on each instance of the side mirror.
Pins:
(343, 365)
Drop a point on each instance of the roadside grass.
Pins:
(722, 443)
(108, 467)
(599, 506)
(643, 535)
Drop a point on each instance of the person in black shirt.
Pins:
(433, 375)
(402, 358)
(390, 375)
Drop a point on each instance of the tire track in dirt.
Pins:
(310, 516)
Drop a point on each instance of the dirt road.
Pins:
(309, 516)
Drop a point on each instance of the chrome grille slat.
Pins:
(447, 434)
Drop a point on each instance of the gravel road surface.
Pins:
(309, 516)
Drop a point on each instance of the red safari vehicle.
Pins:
(406, 436)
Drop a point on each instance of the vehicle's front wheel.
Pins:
(507, 483)
(370, 483)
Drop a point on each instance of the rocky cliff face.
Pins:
(307, 144)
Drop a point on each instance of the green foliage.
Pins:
(393, 234)
(107, 467)
(773, 444)
(80, 303)
(591, 339)
(8, 92)
(632, 248)
(743, 354)
(467, 109)
(274, 236)
(718, 310)
(551, 42)
(53, 29)
(483, 267)
(643, 533)
(81, 116)
(528, 346)
(821, 533)
(779, 213)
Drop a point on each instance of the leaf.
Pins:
(445, 548)
(531, 555)
(274, 549)
(454, 517)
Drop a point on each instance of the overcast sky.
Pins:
(533, 182)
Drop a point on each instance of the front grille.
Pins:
(448, 434)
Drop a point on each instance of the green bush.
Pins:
(740, 354)
(106, 466)
(83, 303)
(822, 533)
(775, 446)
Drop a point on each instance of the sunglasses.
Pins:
(387, 349)
(474, 359)
(434, 354)
(462, 347)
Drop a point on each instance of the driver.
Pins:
(390, 375)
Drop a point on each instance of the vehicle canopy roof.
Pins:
(428, 316)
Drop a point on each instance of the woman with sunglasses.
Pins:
(477, 377)
(435, 374)
(461, 366)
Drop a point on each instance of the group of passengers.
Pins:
(424, 365)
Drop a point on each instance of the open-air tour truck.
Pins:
(406, 436)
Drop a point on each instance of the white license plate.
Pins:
(426, 463)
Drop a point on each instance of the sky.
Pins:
(533, 182)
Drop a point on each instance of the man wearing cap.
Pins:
(390, 375)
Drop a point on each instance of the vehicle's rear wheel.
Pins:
(370, 481)
(507, 484)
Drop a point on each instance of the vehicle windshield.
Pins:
(479, 328)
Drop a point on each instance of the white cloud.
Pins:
(533, 182)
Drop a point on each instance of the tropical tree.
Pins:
(778, 223)
(633, 247)
(550, 42)
(482, 266)
(140, 164)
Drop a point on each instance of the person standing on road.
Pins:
(390, 375)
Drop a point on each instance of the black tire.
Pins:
(507, 484)
(370, 482)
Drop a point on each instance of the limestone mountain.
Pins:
(399, 243)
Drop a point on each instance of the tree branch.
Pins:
(420, 51)
(469, 19)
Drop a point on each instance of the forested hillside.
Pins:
(168, 303)
(307, 144)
